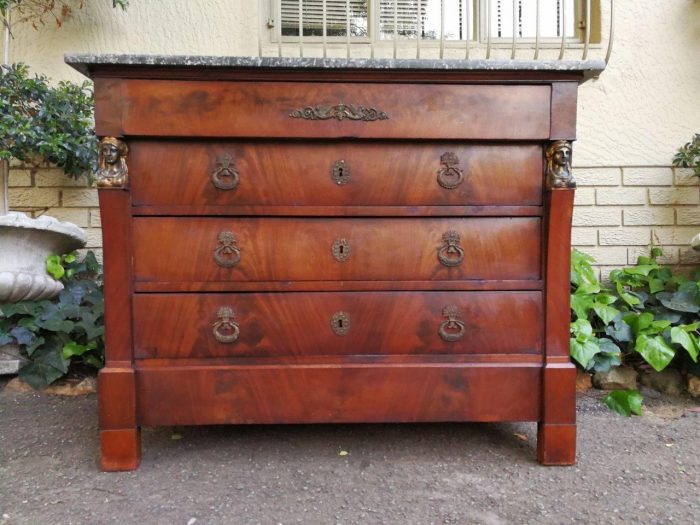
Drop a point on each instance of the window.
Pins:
(365, 21)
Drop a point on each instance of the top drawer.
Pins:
(319, 110)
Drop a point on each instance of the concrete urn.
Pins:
(25, 243)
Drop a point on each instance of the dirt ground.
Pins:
(644, 470)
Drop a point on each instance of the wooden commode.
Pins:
(327, 241)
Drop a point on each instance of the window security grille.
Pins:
(430, 19)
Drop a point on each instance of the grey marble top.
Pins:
(83, 63)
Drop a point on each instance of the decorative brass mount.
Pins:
(450, 176)
(559, 173)
(452, 329)
(340, 172)
(339, 112)
(227, 255)
(226, 329)
(451, 254)
(341, 250)
(225, 176)
(340, 323)
(112, 170)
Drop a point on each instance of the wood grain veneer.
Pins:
(193, 341)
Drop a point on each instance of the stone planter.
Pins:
(25, 243)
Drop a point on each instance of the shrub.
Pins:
(44, 123)
(648, 313)
(52, 334)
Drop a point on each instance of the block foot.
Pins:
(120, 449)
(556, 444)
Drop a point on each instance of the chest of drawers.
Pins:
(334, 243)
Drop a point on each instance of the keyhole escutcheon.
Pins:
(340, 323)
(340, 249)
(340, 173)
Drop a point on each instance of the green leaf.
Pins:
(684, 300)
(642, 269)
(619, 330)
(683, 338)
(22, 335)
(24, 308)
(580, 304)
(55, 324)
(625, 296)
(5, 338)
(655, 351)
(38, 343)
(608, 356)
(624, 402)
(72, 349)
(92, 360)
(46, 366)
(581, 327)
(583, 276)
(606, 313)
(656, 285)
(605, 298)
(54, 266)
(583, 352)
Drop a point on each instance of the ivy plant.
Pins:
(52, 334)
(44, 123)
(646, 313)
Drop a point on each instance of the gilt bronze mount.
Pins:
(112, 170)
(339, 112)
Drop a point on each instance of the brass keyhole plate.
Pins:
(340, 323)
(340, 172)
(340, 250)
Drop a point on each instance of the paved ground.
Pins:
(643, 470)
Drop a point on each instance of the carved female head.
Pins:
(112, 163)
(558, 156)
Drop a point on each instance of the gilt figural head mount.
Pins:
(558, 157)
(112, 171)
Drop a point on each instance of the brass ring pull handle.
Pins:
(450, 176)
(340, 172)
(226, 329)
(225, 176)
(340, 250)
(453, 328)
(227, 255)
(451, 254)
(340, 323)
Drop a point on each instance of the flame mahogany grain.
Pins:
(186, 108)
(290, 249)
(298, 324)
(299, 174)
(163, 288)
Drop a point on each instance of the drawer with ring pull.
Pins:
(268, 249)
(225, 175)
(349, 323)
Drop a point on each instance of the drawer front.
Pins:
(206, 395)
(350, 323)
(334, 174)
(169, 249)
(296, 109)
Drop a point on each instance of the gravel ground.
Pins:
(643, 470)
